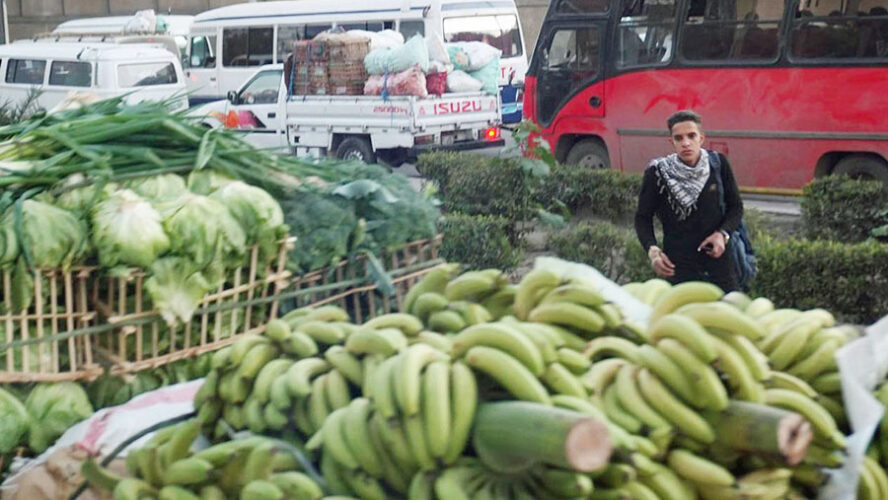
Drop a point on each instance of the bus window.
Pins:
(500, 31)
(202, 49)
(70, 74)
(717, 30)
(375, 26)
(832, 30)
(288, 35)
(570, 61)
(314, 30)
(25, 71)
(247, 46)
(646, 33)
(581, 6)
(410, 28)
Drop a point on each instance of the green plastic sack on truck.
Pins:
(489, 76)
(394, 60)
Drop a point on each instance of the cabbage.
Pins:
(158, 187)
(176, 287)
(54, 237)
(81, 199)
(127, 230)
(13, 422)
(53, 409)
(205, 231)
(257, 212)
(206, 181)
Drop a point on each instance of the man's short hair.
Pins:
(685, 115)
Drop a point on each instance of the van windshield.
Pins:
(500, 31)
(146, 74)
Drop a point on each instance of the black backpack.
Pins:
(741, 252)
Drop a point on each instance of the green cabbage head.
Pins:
(128, 231)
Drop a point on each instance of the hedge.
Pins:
(480, 242)
(498, 187)
(851, 280)
(843, 209)
(609, 194)
(437, 166)
(611, 249)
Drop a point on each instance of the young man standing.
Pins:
(681, 190)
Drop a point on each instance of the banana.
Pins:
(565, 337)
(333, 474)
(638, 491)
(434, 281)
(564, 483)
(436, 340)
(787, 349)
(277, 330)
(879, 476)
(542, 340)
(816, 363)
(407, 377)
(451, 484)
(756, 362)
(698, 469)
(562, 381)
(422, 487)
(685, 293)
(573, 361)
(759, 307)
(631, 399)
(436, 412)
(835, 408)
(221, 454)
(370, 365)
(395, 475)
(243, 345)
(300, 345)
(612, 316)
(209, 412)
(327, 314)
(347, 364)
(410, 325)
(335, 442)
(617, 474)
(703, 378)
(810, 475)
(618, 415)
(253, 412)
(828, 383)
(336, 390)
(300, 373)
(500, 303)
(688, 332)
(508, 372)
(212, 492)
(666, 484)
(323, 332)
(463, 403)
(301, 419)
(569, 315)
(612, 346)
(234, 416)
(601, 374)
(470, 286)
(686, 420)
(668, 372)
(724, 317)
(652, 290)
(574, 293)
(414, 431)
(221, 358)
(176, 493)
(819, 418)
(427, 304)
(180, 443)
(267, 375)
(384, 387)
(503, 337)
(530, 286)
(782, 380)
(472, 314)
(318, 409)
(392, 435)
(261, 490)
(738, 300)
(446, 321)
(356, 431)
(297, 486)
(731, 364)
(279, 393)
(188, 471)
(99, 476)
(778, 318)
(208, 389)
(823, 457)
(130, 488)
(255, 360)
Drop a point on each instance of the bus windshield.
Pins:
(500, 31)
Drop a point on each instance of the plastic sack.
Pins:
(414, 53)
(436, 83)
(460, 81)
(437, 48)
(439, 67)
(143, 21)
(472, 56)
(409, 82)
(489, 76)
(386, 39)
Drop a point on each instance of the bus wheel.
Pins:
(588, 153)
(863, 167)
(356, 148)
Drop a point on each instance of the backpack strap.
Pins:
(715, 163)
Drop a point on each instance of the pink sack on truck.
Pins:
(407, 82)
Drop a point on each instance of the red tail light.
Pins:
(491, 134)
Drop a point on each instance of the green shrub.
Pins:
(498, 187)
(480, 242)
(437, 165)
(609, 194)
(843, 209)
(851, 280)
(611, 249)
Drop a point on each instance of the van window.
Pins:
(70, 74)
(25, 71)
(314, 30)
(375, 26)
(500, 31)
(288, 35)
(203, 52)
(646, 33)
(716, 31)
(247, 46)
(146, 74)
(410, 28)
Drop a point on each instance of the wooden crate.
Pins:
(142, 340)
(45, 341)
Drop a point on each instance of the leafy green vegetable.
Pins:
(47, 235)
(53, 409)
(258, 213)
(176, 287)
(127, 230)
(158, 187)
(14, 422)
(204, 230)
(207, 181)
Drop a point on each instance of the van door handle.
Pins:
(272, 115)
(595, 101)
(212, 78)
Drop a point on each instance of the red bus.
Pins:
(789, 90)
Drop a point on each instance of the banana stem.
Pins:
(763, 430)
(513, 436)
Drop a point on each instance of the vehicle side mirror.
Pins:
(232, 97)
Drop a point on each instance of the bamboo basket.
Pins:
(142, 340)
(41, 343)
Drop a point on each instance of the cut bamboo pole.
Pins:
(761, 429)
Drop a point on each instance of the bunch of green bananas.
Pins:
(257, 468)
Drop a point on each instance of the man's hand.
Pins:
(714, 245)
(663, 267)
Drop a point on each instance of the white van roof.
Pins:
(327, 11)
(87, 51)
(176, 24)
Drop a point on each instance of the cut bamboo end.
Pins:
(588, 446)
(794, 434)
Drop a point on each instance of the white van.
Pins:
(227, 44)
(57, 69)
(177, 27)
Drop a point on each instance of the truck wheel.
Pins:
(588, 153)
(356, 148)
(863, 167)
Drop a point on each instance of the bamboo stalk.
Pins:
(761, 429)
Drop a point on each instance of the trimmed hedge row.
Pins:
(843, 209)
(608, 194)
(480, 241)
(611, 249)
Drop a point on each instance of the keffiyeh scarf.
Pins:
(682, 183)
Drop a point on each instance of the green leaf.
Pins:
(379, 275)
(549, 219)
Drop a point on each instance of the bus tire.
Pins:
(588, 153)
(863, 167)
(356, 148)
